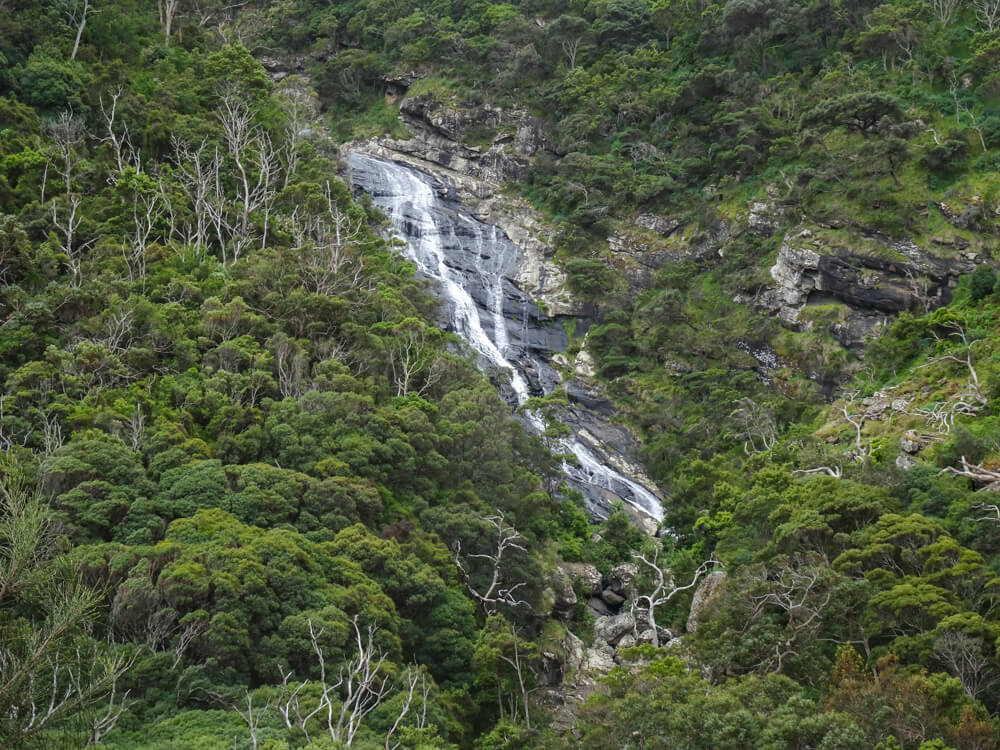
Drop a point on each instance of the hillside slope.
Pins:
(253, 496)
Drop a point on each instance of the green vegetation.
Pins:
(251, 497)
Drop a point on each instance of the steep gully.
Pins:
(473, 264)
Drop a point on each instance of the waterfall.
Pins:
(472, 263)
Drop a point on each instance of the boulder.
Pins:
(646, 636)
(621, 577)
(598, 607)
(709, 588)
(562, 588)
(612, 599)
(765, 218)
(610, 629)
(600, 658)
(659, 224)
(584, 574)
(909, 442)
(584, 366)
(626, 641)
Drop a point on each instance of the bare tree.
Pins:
(124, 153)
(252, 717)
(52, 433)
(496, 593)
(298, 102)
(256, 162)
(963, 656)
(197, 174)
(68, 224)
(801, 589)
(975, 472)
(857, 420)
(67, 132)
(361, 687)
(664, 588)
(76, 12)
(962, 109)
(756, 425)
(167, 10)
(519, 670)
(103, 722)
(136, 427)
(328, 260)
(413, 356)
(413, 676)
(837, 472)
(291, 364)
(988, 13)
(963, 356)
(945, 9)
(147, 209)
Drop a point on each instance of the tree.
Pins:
(415, 359)
(988, 13)
(167, 10)
(497, 592)
(361, 687)
(77, 11)
(49, 669)
(945, 9)
(664, 588)
(252, 153)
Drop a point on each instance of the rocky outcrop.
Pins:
(610, 629)
(474, 174)
(441, 134)
(871, 288)
(766, 217)
(467, 178)
(706, 593)
(583, 575)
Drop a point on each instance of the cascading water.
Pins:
(473, 262)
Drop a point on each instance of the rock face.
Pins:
(584, 574)
(439, 131)
(709, 588)
(476, 266)
(473, 175)
(621, 578)
(562, 588)
(611, 629)
(870, 288)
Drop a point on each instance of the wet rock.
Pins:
(905, 462)
(610, 629)
(589, 399)
(621, 578)
(708, 590)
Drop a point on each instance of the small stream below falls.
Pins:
(473, 264)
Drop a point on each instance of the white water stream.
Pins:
(435, 234)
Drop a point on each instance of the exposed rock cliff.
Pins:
(475, 175)
(869, 286)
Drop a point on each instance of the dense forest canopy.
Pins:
(252, 496)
